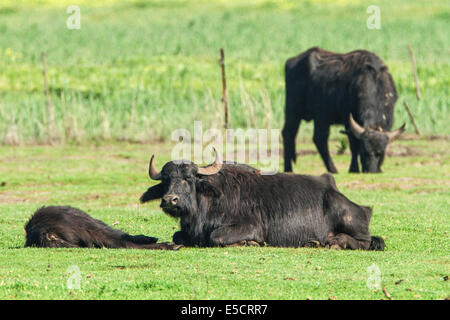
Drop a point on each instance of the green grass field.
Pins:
(137, 70)
(140, 69)
(411, 211)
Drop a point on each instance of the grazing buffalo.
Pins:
(354, 89)
(67, 227)
(225, 204)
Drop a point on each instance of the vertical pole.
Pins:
(413, 63)
(224, 87)
(411, 117)
(51, 113)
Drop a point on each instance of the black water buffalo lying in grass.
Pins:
(67, 227)
(332, 88)
(224, 204)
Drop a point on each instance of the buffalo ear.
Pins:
(370, 67)
(155, 192)
(207, 189)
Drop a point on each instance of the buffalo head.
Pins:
(181, 181)
(373, 144)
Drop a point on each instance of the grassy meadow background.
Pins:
(411, 212)
(137, 70)
(141, 69)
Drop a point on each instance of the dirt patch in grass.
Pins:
(403, 151)
(392, 150)
(398, 184)
(6, 198)
(432, 137)
(9, 197)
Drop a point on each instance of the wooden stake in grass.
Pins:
(50, 110)
(411, 117)
(413, 63)
(224, 87)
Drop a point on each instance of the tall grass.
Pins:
(137, 70)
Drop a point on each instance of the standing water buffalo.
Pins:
(354, 89)
(225, 204)
(67, 227)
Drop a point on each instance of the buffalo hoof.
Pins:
(177, 247)
(312, 244)
(245, 243)
(169, 246)
(238, 244)
(337, 242)
(335, 247)
(174, 246)
(332, 169)
(251, 243)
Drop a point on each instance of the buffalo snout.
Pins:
(169, 200)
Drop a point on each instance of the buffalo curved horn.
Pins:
(152, 172)
(357, 130)
(214, 167)
(393, 135)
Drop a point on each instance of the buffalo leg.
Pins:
(149, 243)
(181, 237)
(139, 239)
(344, 241)
(289, 133)
(236, 235)
(348, 222)
(291, 124)
(245, 243)
(159, 246)
(154, 246)
(354, 148)
(321, 133)
(52, 240)
(313, 244)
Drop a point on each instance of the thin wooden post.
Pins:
(224, 87)
(413, 63)
(51, 113)
(411, 117)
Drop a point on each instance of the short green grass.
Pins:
(141, 69)
(411, 211)
(137, 70)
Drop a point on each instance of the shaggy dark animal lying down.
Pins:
(225, 204)
(67, 227)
